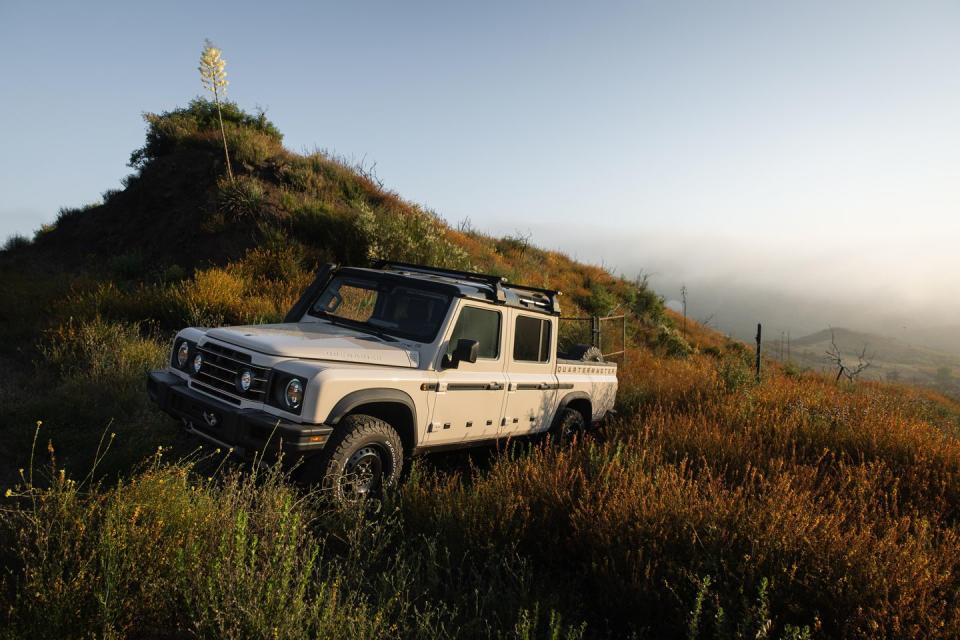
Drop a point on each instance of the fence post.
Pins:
(759, 330)
(595, 329)
(624, 343)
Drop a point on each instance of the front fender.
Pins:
(354, 399)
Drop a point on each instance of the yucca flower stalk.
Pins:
(213, 76)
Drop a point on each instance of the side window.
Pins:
(531, 339)
(482, 325)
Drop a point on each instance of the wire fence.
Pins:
(608, 334)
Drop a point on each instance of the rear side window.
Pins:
(531, 339)
(482, 325)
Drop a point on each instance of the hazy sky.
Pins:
(807, 147)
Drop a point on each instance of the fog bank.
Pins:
(902, 286)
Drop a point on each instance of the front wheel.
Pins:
(362, 459)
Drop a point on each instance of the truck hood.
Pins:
(318, 341)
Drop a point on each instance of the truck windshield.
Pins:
(383, 307)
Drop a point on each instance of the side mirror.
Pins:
(465, 351)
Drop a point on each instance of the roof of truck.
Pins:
(478, 286)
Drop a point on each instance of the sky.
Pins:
(770, 153)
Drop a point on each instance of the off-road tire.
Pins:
(584, 353)
(363, 436)
(568, 424)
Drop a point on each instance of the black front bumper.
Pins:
(246, 431)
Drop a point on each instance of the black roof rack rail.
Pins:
(495, 282)
(523, 287)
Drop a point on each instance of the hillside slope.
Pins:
(178, 209)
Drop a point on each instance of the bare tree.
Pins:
(844, 369)
(465, 225)
(522, 242)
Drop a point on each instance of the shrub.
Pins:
(251, 146)
(601, 301)
(734, 374)
(414, 236)
(216, 296)
(672, 342)
(130, 265)
(185, 127)
(15, 242)
(241, 198)
(334, 231)
(163, 551)
(105, 353)
(69, 214)
(647, 304)
(43, 231)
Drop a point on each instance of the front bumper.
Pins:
(246, 431)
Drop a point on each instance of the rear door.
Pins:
(469, 398)
(531, 377)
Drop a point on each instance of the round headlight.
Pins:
(197, 362)
(294, 393)
(183, 352)
(244, 380)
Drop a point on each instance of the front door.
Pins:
(469, 398)
(532, 381)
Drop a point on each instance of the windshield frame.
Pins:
(384, 284)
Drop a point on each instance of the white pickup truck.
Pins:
(373, 365)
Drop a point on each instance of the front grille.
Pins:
(222, 366)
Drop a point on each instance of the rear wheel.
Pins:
(362, 459)
(568, 423)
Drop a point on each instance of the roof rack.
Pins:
(545, 299)
(496, 282)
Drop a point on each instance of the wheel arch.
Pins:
(578, 401)
(393, 406)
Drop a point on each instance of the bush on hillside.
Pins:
(672, 342)
(100, 351)
(646, 303)
(414, 236)
(193, 126)
(601, 301)
(241, 198)
(14, 242)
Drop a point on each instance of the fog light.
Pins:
(197, 362)
(244, 380)
(294, 393)
(183, 352)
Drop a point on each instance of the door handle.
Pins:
(494, 386)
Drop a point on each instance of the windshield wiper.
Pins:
(358, 325)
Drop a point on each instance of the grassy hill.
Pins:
(713, 507)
